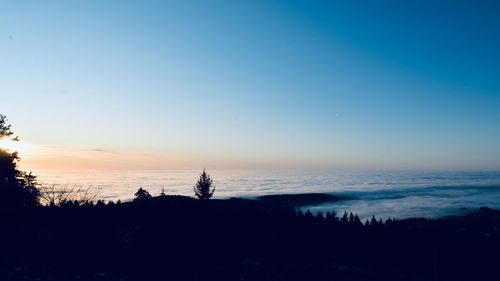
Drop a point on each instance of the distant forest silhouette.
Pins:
(71, 234)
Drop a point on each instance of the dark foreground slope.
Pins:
(179, 238)
(297, 200)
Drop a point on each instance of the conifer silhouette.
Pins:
(204, 188)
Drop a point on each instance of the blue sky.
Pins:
(253, 84)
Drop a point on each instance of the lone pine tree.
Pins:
(204, 188)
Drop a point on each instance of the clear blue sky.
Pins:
(258, 84)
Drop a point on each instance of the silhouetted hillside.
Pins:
(295, 200)
(181, 238)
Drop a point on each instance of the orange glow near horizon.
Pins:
(61, 157)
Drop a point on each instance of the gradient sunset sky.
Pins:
(391, 85)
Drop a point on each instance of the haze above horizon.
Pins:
(391, 85)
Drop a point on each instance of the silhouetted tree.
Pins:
(331, 217)
(308, 214)
(345, 218)
(204, 188)
(300, 214)
(320, 217)
(17, 188)
(356, 221)
(141, 195)
(5, 131)
(351, 218)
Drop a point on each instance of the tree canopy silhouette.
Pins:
(17, 188)
(141, 195)
(204, 188)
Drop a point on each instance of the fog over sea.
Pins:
(383, 194)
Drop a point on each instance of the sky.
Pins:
(358, 85)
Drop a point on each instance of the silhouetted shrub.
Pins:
(141, 195)
(57, 195)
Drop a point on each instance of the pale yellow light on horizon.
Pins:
(12, 145)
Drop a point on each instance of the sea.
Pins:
(381, 194)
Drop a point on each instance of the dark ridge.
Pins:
(297, 200)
